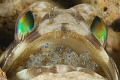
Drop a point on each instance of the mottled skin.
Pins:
(67, 26)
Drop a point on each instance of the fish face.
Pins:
(47, 36)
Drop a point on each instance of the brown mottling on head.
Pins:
(87, 71)
(43, 69)
(70, 69)
(44, 10)
(50, 21)
(34, 71)
(63, 27)
(37, 70)
(84, 11)
(45, 17)
(49, 15)
(53, 69)
(77, 16)
(32, 37)
(94, 41)
(52, 14)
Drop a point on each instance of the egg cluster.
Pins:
(59, 54)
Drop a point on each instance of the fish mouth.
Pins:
(69, 48)
(61, 51)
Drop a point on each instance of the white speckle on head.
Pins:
(42, 5)
(86, 8)
(65, 18)
(50, 28)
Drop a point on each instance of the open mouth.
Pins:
(63, 51)
(53, 50)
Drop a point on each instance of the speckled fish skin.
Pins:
(52, 23)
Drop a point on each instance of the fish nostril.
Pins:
(59, 54)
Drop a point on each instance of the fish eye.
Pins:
(99, 30)
(24, 25)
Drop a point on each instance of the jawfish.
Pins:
(49, 36)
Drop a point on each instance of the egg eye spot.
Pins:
(98, 28)
(25, 25)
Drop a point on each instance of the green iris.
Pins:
(25, 24)
(98, 29)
